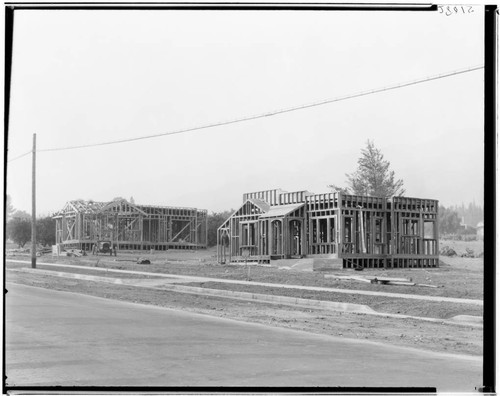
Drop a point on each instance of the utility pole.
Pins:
(33, 206)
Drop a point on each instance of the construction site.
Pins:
(335, 230)
(287, 260)
(82, 224)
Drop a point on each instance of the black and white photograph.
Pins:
(246, 196)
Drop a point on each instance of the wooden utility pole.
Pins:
(33, 206)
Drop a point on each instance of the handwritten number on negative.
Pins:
(453, 10)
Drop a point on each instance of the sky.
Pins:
(85, 77)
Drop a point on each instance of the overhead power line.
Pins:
(20, 156)
(271, 113)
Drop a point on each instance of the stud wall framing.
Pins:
(81, 224)
(368, 232)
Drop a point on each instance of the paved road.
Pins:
(58, 338)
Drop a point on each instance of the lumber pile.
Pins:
(379, 280)
(75, 252)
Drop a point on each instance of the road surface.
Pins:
(59, 338)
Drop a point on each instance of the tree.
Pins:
(336, 188)
(373, 176)
(9, 208)
(19, 230)
(214, 221)
(21, 214)
(449, 222)
(472, 214)
(12, 212)
(46, 231)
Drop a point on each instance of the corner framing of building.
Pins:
(80, 224)
(350, 231)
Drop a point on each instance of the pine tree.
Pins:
(373, 176)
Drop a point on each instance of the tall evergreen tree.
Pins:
(373, 176)
(9, 208)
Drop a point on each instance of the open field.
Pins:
(457, 277)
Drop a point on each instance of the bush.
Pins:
(46, 231)
(214, 221)
(458, 237)
(466, 231)
(467, 237)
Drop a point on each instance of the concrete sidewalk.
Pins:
(187, 278)
(167, 284)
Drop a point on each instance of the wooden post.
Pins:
(196, 229)
(206, 230)
(328, 231)
(282, 222)
(362, 230)
(303, 241)
(310, 236)
(269, 232)
(420, 248)
(33, 205)
(141, 230)
(219, 248)
(340, 225)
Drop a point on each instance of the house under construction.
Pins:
(340, 230)
(80, 224)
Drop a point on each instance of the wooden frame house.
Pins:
(351, 231)
(80, 224)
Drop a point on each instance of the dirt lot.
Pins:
(459, 277)
(456, 277)
(404, 332)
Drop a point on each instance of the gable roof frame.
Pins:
(262, 206)
(112, 204)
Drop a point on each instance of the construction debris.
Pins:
(380, 280)
(75, 252)
(386, 279)
(447, 251)
(369, 279)
(348, 277)
(469, 253)
(398, 283)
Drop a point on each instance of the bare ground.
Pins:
(458, 277)
(404, 332)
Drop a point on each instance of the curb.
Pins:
(296, 287)
(461, 320)
(337, 306)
